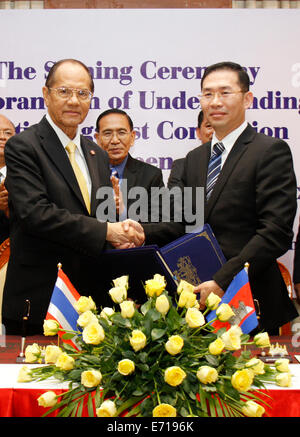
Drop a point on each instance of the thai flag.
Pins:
(61, 307)
(239, 296)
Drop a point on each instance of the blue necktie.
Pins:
(214, 168)
(114, 172)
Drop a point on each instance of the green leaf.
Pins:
(157, 333)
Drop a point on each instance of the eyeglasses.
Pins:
(108, 135)
(222, 95)
(6, 133)
(67, 93)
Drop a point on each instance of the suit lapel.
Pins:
(130, 172)
(99, 176)
(56, 153)
(237, 151)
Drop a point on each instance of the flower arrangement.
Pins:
(159, 360)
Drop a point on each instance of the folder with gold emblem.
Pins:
(194, 257)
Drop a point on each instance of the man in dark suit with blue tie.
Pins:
(53, 174)
(115, 134)
(251, 207)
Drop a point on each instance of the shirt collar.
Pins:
(231, 138)
(3, 171)
(63, 138)
(120, 167)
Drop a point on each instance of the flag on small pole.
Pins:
(239, 296)
(61, 307)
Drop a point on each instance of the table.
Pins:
(20, 399)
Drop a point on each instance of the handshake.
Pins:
(126, 234)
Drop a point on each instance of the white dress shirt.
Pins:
(79, 156)
(228, 141)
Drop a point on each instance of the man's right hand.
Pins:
(125, 235)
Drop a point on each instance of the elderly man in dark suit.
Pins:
(53, 174)
(116, 135)
(251, 203)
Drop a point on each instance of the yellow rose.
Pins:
(47, 399)
(232, 338)
(185, 286)
(164, 410)
(212, 301)
(283, 379)
(85, 318)
(33, 353)
(224, 312)
(122, 281)
(65, 362)
(118, 294)
(106, 313)
(24, 374)
(282, 365)
(257, 366)
(162, 304)
(174, 376)
(216, 347)
(50, 327)
(137, 340)
(126, 367)
(52, 353)
(127, 309)
(194, 318)
(155, 286)
(106, 409)
(93, 333)
(252, 409)
(174, 345)
(262, 339)
(242, 380)
(187, 299)
(91, 378)
(84, 304)
(207, 374)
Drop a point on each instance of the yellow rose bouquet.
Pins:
(161, 359)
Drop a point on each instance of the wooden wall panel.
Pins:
(135, 4)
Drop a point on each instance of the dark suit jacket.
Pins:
(4, 227)
(176, 172)
(141, 174)
(49, 223)
(296, 271)
(251, 212)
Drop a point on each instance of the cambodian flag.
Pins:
(61, 307)
(239, 296)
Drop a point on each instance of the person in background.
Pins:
(53, 174)
(115, 134)
(204, 132)
(7, 130)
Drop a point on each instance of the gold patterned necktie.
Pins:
(79, 176)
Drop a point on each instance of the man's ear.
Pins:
(248, 99)
(46, 95)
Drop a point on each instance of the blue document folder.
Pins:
(194, 257)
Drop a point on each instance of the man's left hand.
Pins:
(205, 289)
